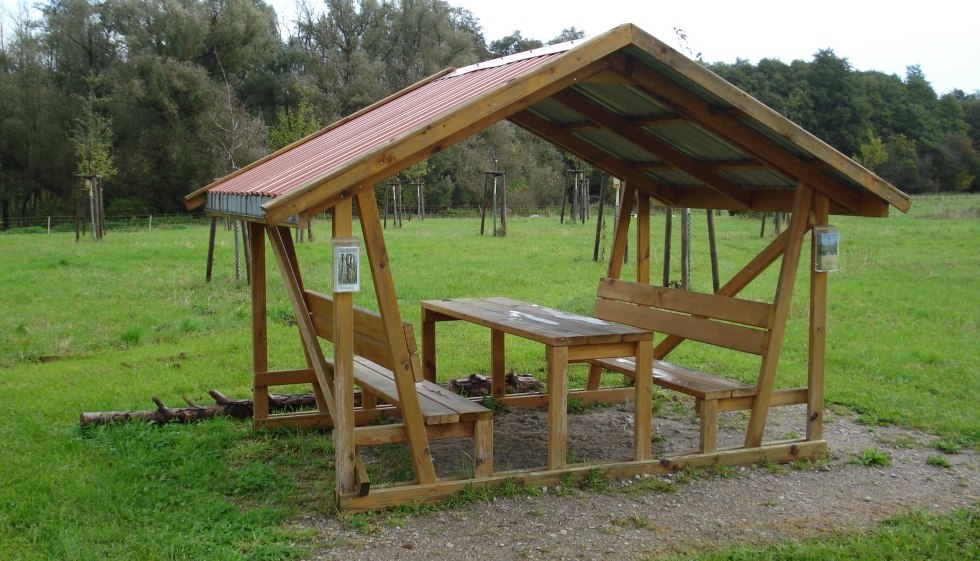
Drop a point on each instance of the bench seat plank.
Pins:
(439, 405)
(685, 380)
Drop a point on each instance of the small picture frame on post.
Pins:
(346, 265)
(826, 241)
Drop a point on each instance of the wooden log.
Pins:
(477, 385)
(224, 407)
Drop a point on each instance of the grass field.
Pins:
(87, 327)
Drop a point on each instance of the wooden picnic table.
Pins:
(567, 337)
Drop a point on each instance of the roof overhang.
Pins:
(623, 101)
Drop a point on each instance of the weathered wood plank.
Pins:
(387, 497)
(726, 335)
(718, 306)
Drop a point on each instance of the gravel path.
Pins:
(753, 505)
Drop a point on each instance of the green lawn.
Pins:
(86, 327)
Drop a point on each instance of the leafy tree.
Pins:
(512, 44)
(294, 124)
(568, 34)
(92, 137)
(873, 152)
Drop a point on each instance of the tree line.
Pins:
(159, 97)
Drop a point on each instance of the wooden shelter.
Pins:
(675, 133)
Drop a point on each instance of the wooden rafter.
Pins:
(740, 198)
(713, 165)
(750, 107)
(736, 132)
(593, 155)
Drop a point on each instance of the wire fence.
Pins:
(53, 224)
(149, 222)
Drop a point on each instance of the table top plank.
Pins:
(537, 323)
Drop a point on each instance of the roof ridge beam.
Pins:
(655, 146)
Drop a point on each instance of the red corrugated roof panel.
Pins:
(320, 155)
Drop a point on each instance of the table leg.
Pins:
(557, 359)
(497, 375)
(428, 346)
(643, 400)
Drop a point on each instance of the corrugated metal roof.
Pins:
(325, 152)
(622, 101)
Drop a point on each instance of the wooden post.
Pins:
(498, 381)
(818, 324)
(713, 251)
(260, 330)
(599, 222)
(643, 402)
(343, 349)
(621, 235)
(483, 204)
(668, 235)
(686, 248)
(210, 267)
(557, 361)
(643, 238)
(503, 204)
(781, 305)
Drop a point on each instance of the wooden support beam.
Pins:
(281, 242)
(739, 197)
(260, 327)
(540, 127)
(406, 366)
(643, 239)
(621, 235)
(387, 497)
(784, 295)
(818, 326)
(343, 362)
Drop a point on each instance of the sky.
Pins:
(941, 36)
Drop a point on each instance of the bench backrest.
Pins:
(370, 335)
(732, 323)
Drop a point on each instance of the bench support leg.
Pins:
(557, 359)
(708, 411)
(483, 448)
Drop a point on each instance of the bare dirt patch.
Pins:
(754, 505)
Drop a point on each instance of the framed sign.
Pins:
(827, 241)
(346, 265)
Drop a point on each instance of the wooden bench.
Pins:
(445, 413)
(732, 323)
